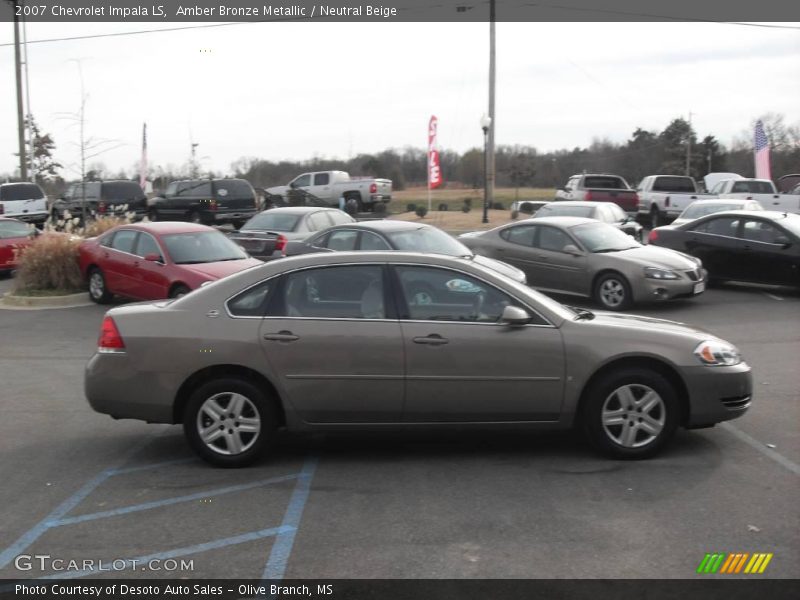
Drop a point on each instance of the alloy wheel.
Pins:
(96, 285)
(612, 293)
(228, 423)
(633, 415)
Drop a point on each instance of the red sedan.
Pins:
(14, 236)
(152, 261)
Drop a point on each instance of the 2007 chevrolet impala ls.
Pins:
(344, 341)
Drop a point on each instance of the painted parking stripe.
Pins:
(30, 536)
(769, 452)
(169, 501)
(773, 296)
(148, 467)
(282, 548)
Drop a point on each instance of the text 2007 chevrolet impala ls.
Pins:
(340, 341)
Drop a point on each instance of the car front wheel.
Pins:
(613, 292)
(229, 422)
(631, 413)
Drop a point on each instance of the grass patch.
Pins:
(454, 198)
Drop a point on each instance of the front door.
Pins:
(336, 345)
(462, 364)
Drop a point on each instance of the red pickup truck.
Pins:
(600, 188)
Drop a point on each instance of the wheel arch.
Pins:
(221, 371)
(607, 271)
(663, 368)
(176, 284)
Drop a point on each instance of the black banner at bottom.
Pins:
(402, 589)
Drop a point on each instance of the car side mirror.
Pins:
(572, 249)
(153, 257)
(782, 240)
(514, 315)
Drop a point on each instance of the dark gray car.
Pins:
(336, 341)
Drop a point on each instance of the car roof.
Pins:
(579, 203)
(165, 227)
(562, 221)
(384, 225)
(296, 210)
(772, 215)
(724, 201)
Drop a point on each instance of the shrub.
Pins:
(498, 206)
(102, 224)
(443, 207)
(411, 207)
(466, 208)
(514, 214)
(421, 211)
(527, 208)
(50, 263)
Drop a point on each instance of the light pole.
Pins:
(486, 123)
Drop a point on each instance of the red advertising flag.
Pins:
(434, 170)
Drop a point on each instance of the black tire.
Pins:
(613, 292)
(98, 292)
(603, 402)
(178, 291)
(152, 214)
(655, 217)
(194, 217)
(237, 225)
(256, 406)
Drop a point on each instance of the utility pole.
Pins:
(492, 120)
(689, 145)
(29, 118)
(23, 163)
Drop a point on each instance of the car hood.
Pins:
(501, 267)
(654, 256)
(650, 327)
(278, 190)
(218, 270)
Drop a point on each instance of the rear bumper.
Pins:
(717, 393)
(227, 217)
(37, 217)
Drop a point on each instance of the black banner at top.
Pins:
(182, 11)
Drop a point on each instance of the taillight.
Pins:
(110, 340)
(636, 201)
(653, 236)
(588, 196)
(666, 201)
(373, 189)
(213, 204)
(749, 197)
(2, 210)
(101, 208)
(280, 244)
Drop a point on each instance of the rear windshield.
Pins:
(752, 187)
(234, 188)
(674, 184)
(552, 210)
(14, 229)
(122, 190)
(272, 221)
(21, 191)
(427, 239)
(605, 183)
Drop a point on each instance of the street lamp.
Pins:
(486, 123)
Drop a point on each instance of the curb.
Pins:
(10, 300)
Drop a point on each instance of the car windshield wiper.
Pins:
(582, 313)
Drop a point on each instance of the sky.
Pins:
(295, 91)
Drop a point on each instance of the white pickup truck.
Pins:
(23, 201)
(663, 197)
(327, 187)
(762, 190)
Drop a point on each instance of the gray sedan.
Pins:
(574, 255)
(336, 341)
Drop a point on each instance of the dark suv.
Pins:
(206, 201)
(101, 198)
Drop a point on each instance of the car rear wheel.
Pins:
(655, 217)
(194, 217)
(631, 413)
(98, 292)
(229, 422)
(152, 215)
(613, 292)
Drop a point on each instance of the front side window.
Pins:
(759, 231)
(434, 294)
(340, 218)
(123, 240)
(340, 292)
(302, 181)
(318, 221)
(147, 245)
(201, 247)
(553, 239)
(521, 234)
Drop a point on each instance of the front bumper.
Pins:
(113, 387)
(656, 290)
(717, 393)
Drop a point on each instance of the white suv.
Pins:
(23, 201)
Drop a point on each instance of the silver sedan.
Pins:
(339, 341)
(575, 255)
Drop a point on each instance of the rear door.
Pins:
(335, 342)
(119, 263)
(321, 187)
(462, 364)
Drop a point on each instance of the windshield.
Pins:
(605, 183)
(272, 221)
(21, 191)
(674, 184)
(428, 240)
(602, 237)
(695, 211)
(201, 247)
(14, 229)
(565, 211)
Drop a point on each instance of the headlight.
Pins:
(656, 273)
(717, 352)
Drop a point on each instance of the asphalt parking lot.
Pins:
(78, 485)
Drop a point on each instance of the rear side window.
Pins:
(726, 226)
(322, 179)
(340, 218)
(194, 188)
(318, 221)
(674, 184)
(122, 190)
(253, 301)
(604, 183)
(13, 229)
(21, 191)
(342, 240)
(124, 240)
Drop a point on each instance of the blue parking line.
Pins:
(168, 501)
(282, 548)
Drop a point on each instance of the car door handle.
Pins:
(281, 336)
(432, 340)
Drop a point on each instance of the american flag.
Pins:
(143, 163)
(762, 153)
